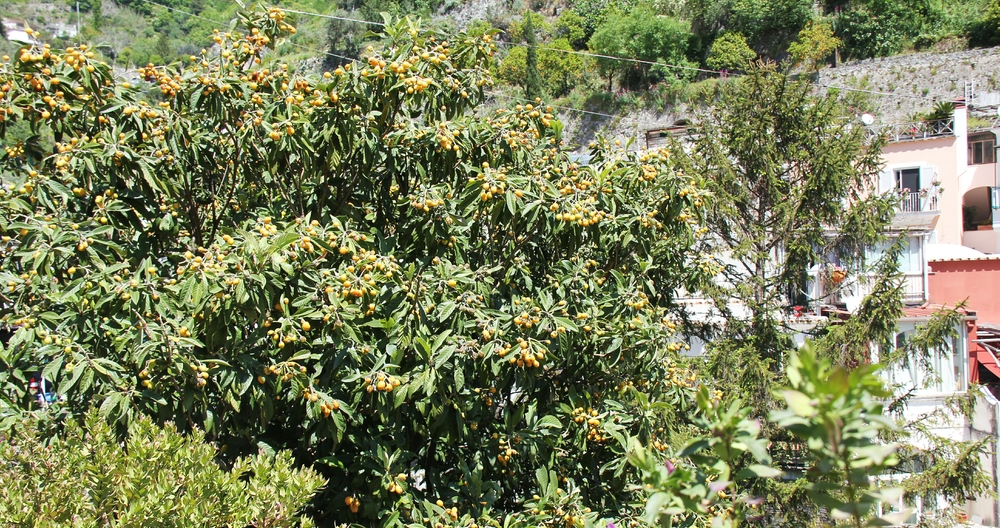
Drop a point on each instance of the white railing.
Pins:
(828, 293)
(917, 130)
(913, 288)
(915, 202)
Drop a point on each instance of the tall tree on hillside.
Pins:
(97, 16)
(533, 80)
(343, 40)
(792, 175)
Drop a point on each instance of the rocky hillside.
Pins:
(916, 80)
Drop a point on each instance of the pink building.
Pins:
(947, 173)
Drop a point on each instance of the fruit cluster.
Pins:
(591, 418)
(382, 383)
(353, 503)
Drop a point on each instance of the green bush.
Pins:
(559, 70)
(570, 26)
(730, 52)
(768, 25)
(815, 43)
(645, 36)
(986, 30)
(157, 477)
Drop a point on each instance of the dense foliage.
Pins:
(427, 303)
(730, 52)
(656, 41)
(158, 477)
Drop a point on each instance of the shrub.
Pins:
(88, 477)
(645, 36)
(815, 43)
(730, 52)
(559, 70)
(570, 26)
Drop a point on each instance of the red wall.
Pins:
(978, 281)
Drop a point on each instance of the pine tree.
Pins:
(97, 17)
(533, 80)
(793, 183)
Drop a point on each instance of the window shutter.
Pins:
(886, 181)
(926, 177)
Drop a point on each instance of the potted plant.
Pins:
(837, 274)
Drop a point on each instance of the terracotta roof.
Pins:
(962, 259)
(928, 310)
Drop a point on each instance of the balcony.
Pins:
(849, 293)
(919, 202)
(917, 130)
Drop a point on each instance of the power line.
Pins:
(569, 108)
(369, 22)
(549, 48)
(626, 59)
(184, 12)
(721, 73)
(890, 94)
(342, 57)
(222, 23)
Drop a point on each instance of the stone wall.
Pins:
(914, 81)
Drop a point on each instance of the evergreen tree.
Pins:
(533, 80)
(97, 17)
(794, 181)
(163, 48)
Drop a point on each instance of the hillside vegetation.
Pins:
(671, 38)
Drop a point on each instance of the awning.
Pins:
(988, 339)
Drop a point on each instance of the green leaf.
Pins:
(799, 403)
(759, 471)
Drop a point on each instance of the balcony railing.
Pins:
(917, 130)
(913, 288)
(828, 293)
(916, 202)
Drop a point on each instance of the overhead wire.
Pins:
(333, 17)
(637, 61)
(183, 12)
(721, 73)
(297, 45)
(558, 50)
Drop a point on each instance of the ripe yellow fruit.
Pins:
(306, 326)
(452, 283)
(82, 246)
(71, 271)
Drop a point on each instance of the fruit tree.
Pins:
(425, 300)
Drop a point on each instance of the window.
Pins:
(982, 151)
(908, 180)
(958, 353)
(909, 255)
